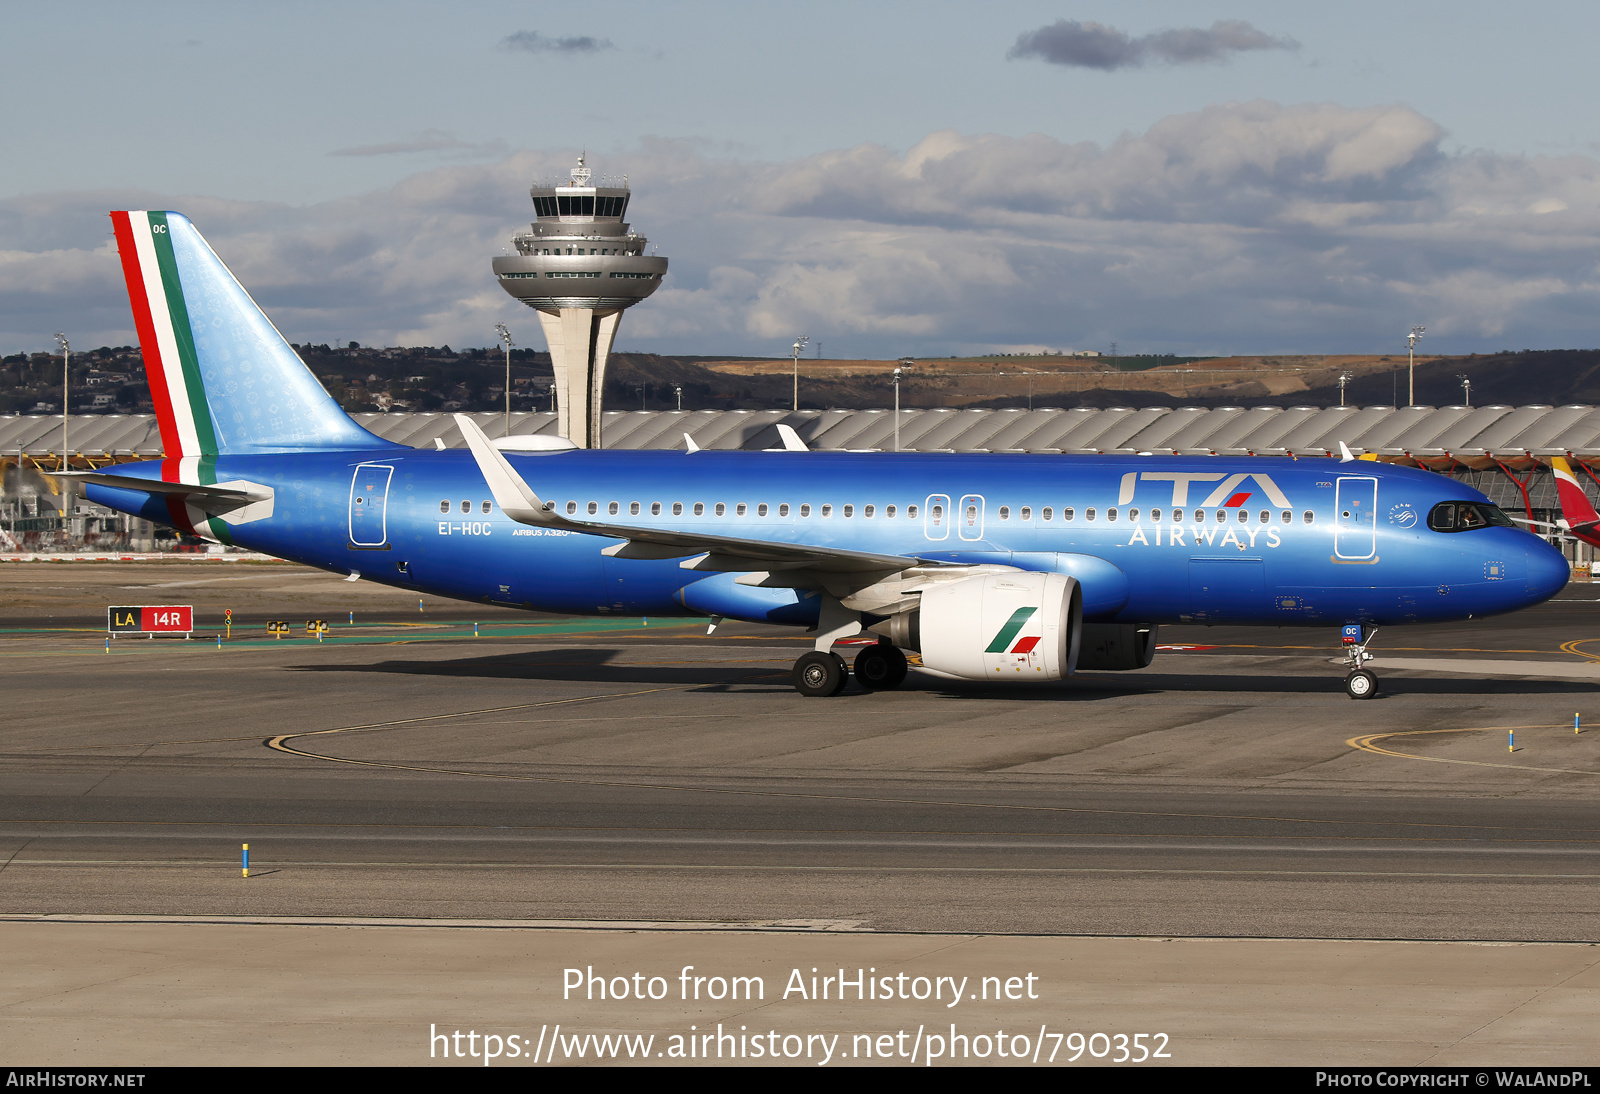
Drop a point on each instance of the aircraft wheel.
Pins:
(1361, 684)
(819, 674)
(880, 667)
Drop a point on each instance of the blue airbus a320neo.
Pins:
(1014, 569)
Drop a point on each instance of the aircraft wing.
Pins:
(519, 502)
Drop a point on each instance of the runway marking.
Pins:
(1572, 648)
(1367, 743)
(797, 868)
(279, 743)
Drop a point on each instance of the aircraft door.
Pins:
(969, 517)
(369, 505)
(936, 517)
(1355, 518)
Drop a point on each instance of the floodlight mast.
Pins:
(1411, 347)
(505, 336)
(1466, 388)
(799, 344)
(1344, 378)
(66, 387)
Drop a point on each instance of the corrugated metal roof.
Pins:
(1439, 437)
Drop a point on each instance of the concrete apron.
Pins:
(129, 992)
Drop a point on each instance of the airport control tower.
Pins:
(579, 267)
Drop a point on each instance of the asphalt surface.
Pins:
(618, 770)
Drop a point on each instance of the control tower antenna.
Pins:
(579, 266)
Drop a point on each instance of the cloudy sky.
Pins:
(890, 178)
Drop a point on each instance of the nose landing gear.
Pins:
(1360, 683)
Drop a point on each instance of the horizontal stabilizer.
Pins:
(156, 486)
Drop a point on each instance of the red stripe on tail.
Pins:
(144, 324)
(1237, 500)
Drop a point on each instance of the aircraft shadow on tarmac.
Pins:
(578, 665)
(592, 665)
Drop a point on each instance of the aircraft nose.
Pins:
(1547, 572)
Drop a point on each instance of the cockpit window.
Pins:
(1466, 516)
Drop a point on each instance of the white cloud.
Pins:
(1243, 227)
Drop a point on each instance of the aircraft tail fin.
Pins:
(1576, 508)
(222, 378)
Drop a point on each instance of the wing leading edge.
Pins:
(519, 502)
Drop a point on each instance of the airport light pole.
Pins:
(897, 410)
(1466, 388)
(1344, 378)
(677, 390)
(799, 344)
(505, 336)
(1411, 347)
(66, 388)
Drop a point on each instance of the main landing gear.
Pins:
(820, 674)
(1360, 683)
(878, 667)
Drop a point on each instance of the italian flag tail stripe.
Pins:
(165, 337)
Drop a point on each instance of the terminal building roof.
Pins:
(1450, 438)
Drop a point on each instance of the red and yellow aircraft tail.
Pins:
(1577, 512)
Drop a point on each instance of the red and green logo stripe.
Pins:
(1003, 637)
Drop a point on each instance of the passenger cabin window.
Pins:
(1177, 516)
(938, 513)
(444, 507)
(866, 510)
(849, 510)
(783, 509)
(1046, 512)
(633, 508)
(721, 509)
(1286, 517)
(827, 510)
(911, 511)
(572, 507)
(466, 507)
(1266, 517)
(1306, 516)
(888, 511)
(1005, 512)
(486, 507)
(1133, 514)
(1088, 514)
(613, 509)
(805, 510)
(655, 509)
(1155, 516)
(677, 508)
(1067, 514)
(1111, 514)
(1244, 516)
(740, 509)
(594, 507)
(699, 508)
(1026, 514)
(761, 510)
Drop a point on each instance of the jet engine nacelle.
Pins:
(1115, 646)
(1017, 627)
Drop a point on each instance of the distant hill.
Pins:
(427, 378)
